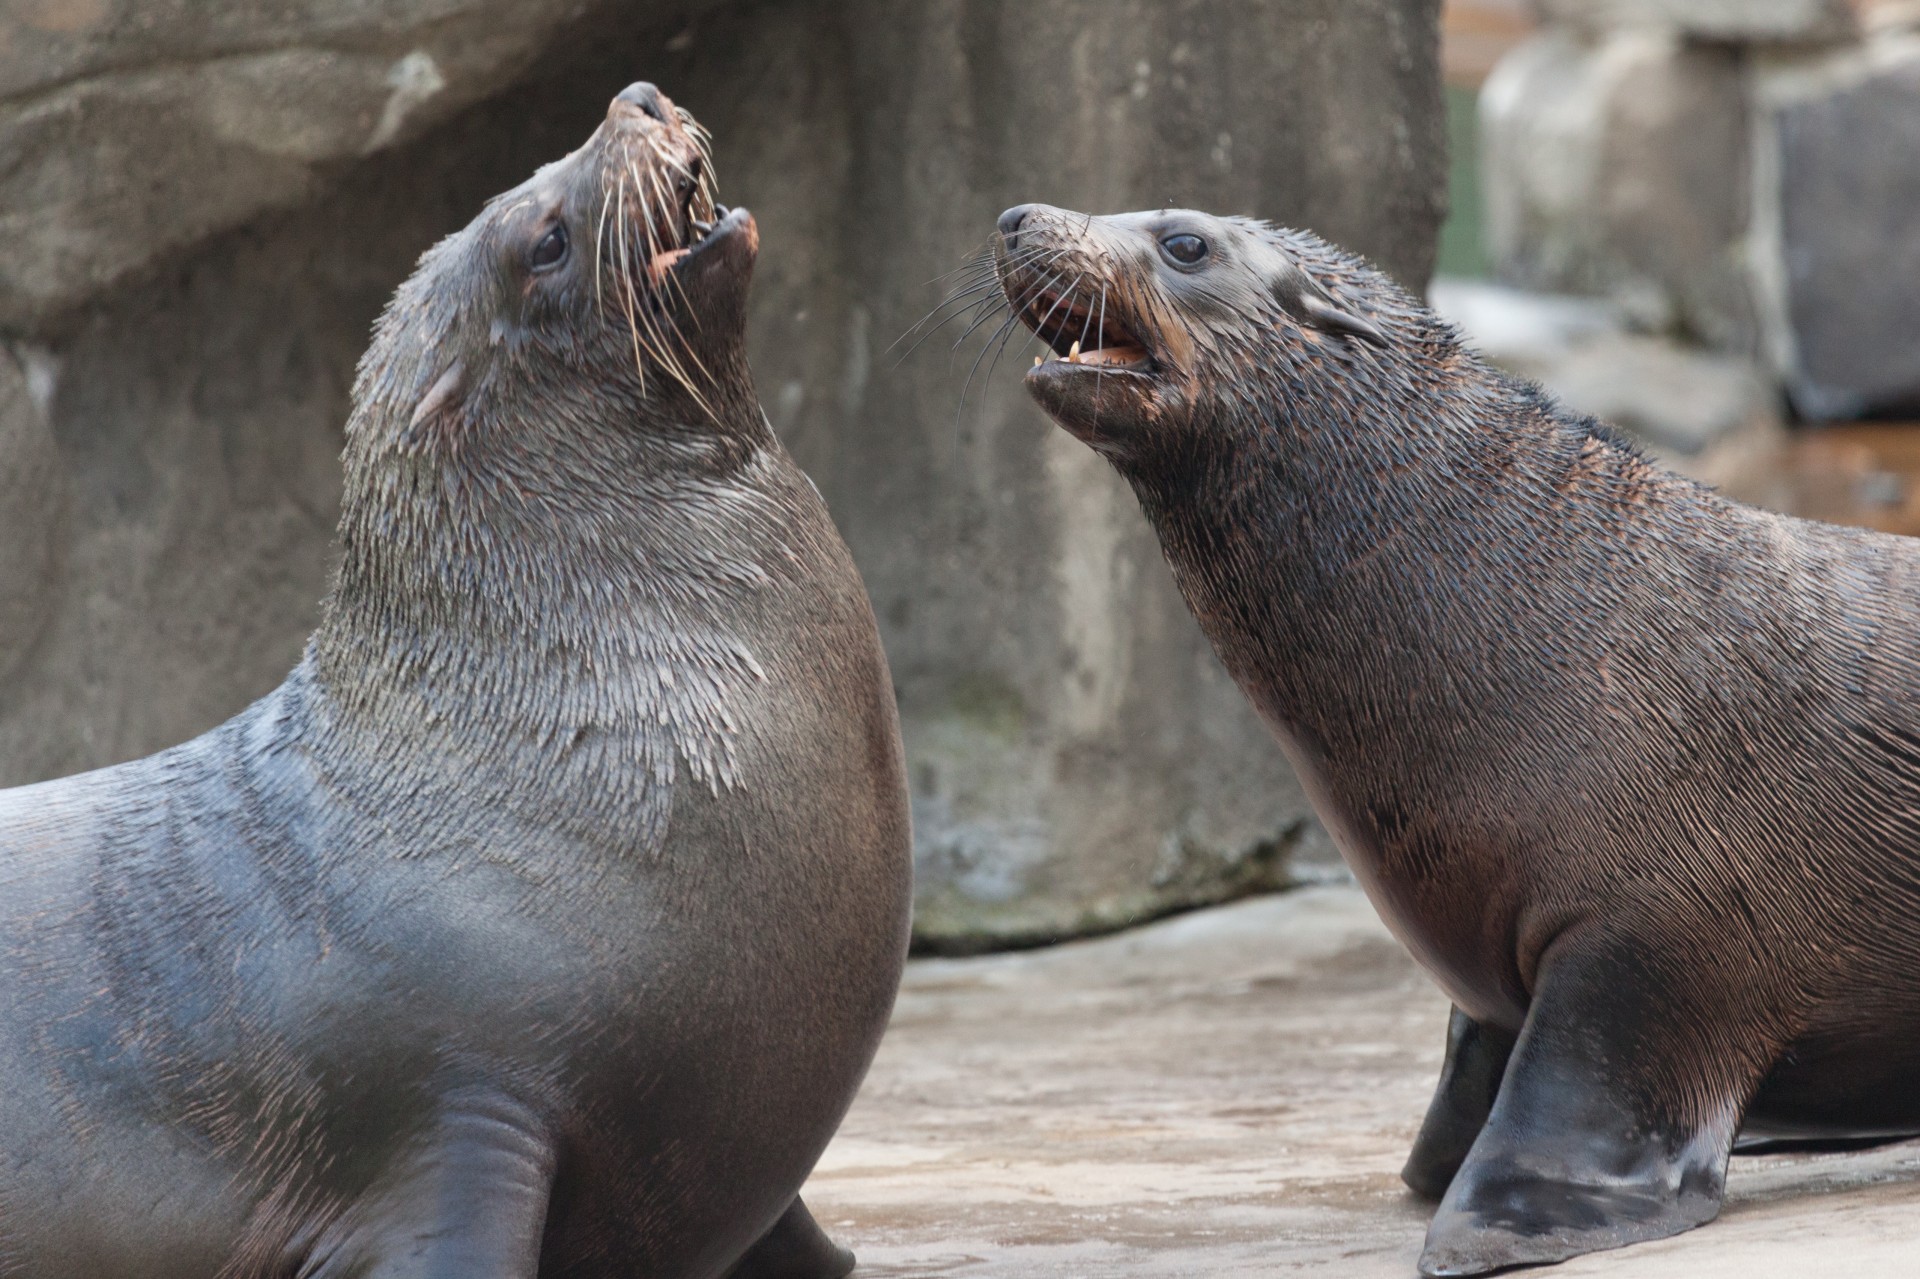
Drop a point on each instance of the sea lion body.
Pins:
(545, 919)
(1633, 770)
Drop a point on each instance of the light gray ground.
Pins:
(1231, 1093)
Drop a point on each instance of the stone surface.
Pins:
(130, 128)
(32, 511)
(1729, 20)
(1836, 242)
(1231, 1094)
(1071, 738)
(1618, 166)
(1078, 757)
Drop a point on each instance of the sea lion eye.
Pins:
(1185, 248)
(551, 250)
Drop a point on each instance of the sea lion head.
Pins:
(611, 269)
(1165, 326)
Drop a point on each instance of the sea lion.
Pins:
(1632, 769)
(545, 919)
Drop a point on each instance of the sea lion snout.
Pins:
(1010, 223)
(644, 98)
(1086, 288)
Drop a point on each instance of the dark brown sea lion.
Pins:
(545, 919)
(1632, 769)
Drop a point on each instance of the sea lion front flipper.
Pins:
(1615, 1118)
(796, 1248)
(468, 1199)
(1469, 1082)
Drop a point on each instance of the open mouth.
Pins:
(1085, 331)
(696, 221)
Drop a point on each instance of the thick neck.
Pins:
(1303, 540)
(551, 599)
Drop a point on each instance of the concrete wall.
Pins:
(172, 391)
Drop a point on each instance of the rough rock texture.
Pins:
(1743, 20)
(1618, 166)
(1079, 760)
(1740, 174)
(32, 512)
(1230, 1095)
(129, 128)
(1836, 239)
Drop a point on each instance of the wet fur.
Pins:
(1634, 770)
(545, 919)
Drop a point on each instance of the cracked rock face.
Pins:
(130, 128)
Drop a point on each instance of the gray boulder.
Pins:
(1836, 237)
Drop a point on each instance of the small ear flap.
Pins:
(1322, 313)
(445, 391)
(1300, 294)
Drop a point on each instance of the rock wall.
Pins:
(1739, 172)
(177, 360)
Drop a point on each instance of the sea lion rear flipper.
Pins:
(796, 1248)
(1614, 1120)
(1469, 1081)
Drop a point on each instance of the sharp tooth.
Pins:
(1036, 360)
(1073, 355)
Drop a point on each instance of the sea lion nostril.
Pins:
(644, 96)
(1010, 223)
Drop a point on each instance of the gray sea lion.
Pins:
(545, 919)
(1632, 769)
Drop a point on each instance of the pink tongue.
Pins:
(663, 263)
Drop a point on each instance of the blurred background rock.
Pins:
(204, 203)
(1695, 217)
